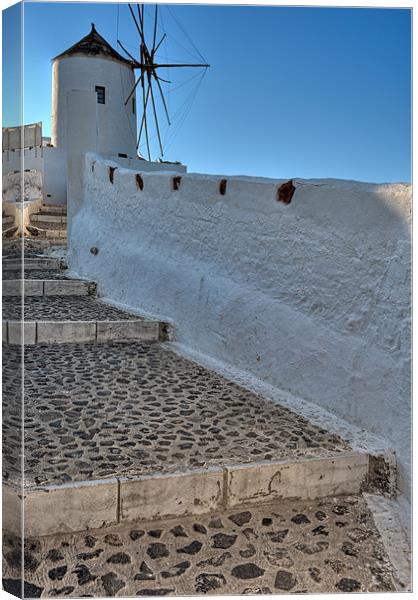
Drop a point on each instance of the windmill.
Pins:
(149, 67)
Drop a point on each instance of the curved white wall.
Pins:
(116, 123)
(312, 297)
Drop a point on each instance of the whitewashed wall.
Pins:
(116, 123)
(50, 162)
(145, 165)
(312, 297)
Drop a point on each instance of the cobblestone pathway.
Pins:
(34, 274)
(120, 409)
(71, 308)
(290, 547)
(94, 411)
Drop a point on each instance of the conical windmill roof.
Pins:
(93, 44)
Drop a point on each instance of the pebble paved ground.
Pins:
(35, 274)
(93, 411)
(12, 411)
(48, 225)
(32, 247)
(16, 251)
(96, 411)
(57, 308)
(290, 547)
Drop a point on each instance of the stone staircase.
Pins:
(9, 226)
(148, 474)
(49, 222)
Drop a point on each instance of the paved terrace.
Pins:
(35, 274)
(120, 433)
(324, 546)
(55, 308)
(94, 411)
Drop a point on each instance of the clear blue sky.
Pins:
(291, 92)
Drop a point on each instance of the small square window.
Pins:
(100, 94)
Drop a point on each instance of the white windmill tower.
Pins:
(92, 65)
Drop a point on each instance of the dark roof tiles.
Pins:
(93, 44)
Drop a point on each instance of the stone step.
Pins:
(66, 332)
(57, 274)
(53, 209)
(9, 232)
(62, 320)
(141, 433)
(322, 546)
(107, 502)
(8, 219)
(30, 263)
(48, 230)
(46, 233)
(40, 218)
(31, 246)
(48, 287)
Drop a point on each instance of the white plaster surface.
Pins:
(311, 297)
(81, 136)
(140, 164)
(48, 161)
(51, 163)
(116, 123)
(393, 521)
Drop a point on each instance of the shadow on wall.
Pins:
(311, 296)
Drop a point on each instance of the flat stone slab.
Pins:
(97, 503)
(128, 410)
(325, 546)
(31, 262)
(48, 287)
(48, 217)
(32, 333)
(58, 209)
(52, 233)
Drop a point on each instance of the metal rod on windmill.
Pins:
(148, 68)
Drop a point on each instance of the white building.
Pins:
(89, 65)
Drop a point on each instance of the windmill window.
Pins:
(100, 94)
(133, 105)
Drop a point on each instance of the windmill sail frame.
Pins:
(148, 68)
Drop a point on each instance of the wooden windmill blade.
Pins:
(159, 43)
(155, 116)
(140, 29)
(149, 67)
(144, 124)
(155, 29)
(126, 52)
(141, 15)
(157, 79)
